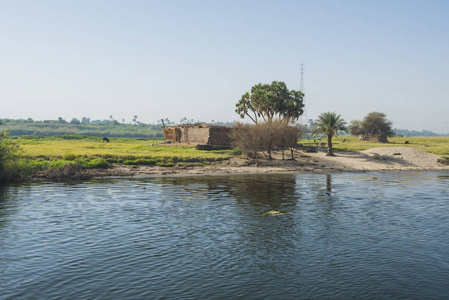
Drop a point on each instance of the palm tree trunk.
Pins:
(329, 146)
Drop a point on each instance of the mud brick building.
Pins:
(200, 134)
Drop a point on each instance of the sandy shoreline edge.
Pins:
(377, 159)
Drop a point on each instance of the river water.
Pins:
(353, 235)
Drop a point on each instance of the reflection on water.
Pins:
(369, 235)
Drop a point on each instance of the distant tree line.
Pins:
(89, 127)
(85, 126)
(407, 133)
(185, 120)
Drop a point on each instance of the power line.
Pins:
(301, 89)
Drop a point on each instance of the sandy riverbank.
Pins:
(378, 159)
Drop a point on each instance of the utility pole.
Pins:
(301, 89)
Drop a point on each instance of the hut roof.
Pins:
(203, 125)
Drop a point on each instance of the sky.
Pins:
(195, 59)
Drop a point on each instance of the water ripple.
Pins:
(368, 235)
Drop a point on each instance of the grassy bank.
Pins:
(93, 153)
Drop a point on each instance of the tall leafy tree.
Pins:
(355, 127)
(376, 124)
(75, 121)
(269, 101)
(329, 124)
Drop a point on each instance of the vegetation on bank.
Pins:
(117, 149)
(10, 165)
(329, 124)
(266, 138)
(24, 157)
(61, 147)
(274, 109)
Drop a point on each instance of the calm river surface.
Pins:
(360, 236)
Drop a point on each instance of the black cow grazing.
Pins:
(344, 140)
(105, 139)
(406, 142)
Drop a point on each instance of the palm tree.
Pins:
(330, 124)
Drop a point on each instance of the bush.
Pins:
(264, 137)
(248, 139)
(9, 159)
(95, 163)
(236, 151)
(114, 160)
(140, 162)
(444, 160)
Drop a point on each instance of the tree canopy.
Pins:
(355, 127)
(329, 124)
(374, 124)
(268, 101)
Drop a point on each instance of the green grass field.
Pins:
(54, 148)
(118, 148)
(93, 153)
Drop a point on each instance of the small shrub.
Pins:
(164, 164)
(58, 163)
(236, 151)
(114, 160)
(95, 163)
(140, 162)
(69, 156)
(444, 160)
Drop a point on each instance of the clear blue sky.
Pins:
(195, 59)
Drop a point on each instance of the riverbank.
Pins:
(377, 159)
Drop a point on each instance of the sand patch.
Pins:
(386, 158)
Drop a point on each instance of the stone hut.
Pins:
(379, 138)
(200, 134)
